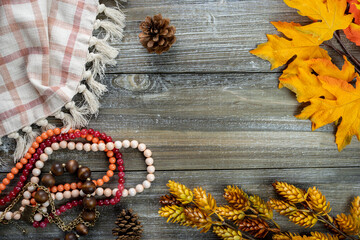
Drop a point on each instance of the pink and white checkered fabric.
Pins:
(43, 50)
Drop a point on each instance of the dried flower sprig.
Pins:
(250, 217)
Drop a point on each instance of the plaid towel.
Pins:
(43, 53)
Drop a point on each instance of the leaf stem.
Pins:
(347, 52)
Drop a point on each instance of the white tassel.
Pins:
(114, 14)
(103, 47)
(78, 113)
(0, 141)
(20, 145)
(90, 98)
(66, 119)
(98, 63)
(96, 87)
(112, 30)
(30, 136)
(44, 124)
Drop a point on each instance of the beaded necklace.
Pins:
(40, 195)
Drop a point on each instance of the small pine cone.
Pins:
(237, 198)
(230, 213)
(227, 233)
(290, 192)
(355, 208)
(262, 207)
(128, 226)
(347, 224)
(157, 35)
(256, 227)
(173, 213)
(282, 207)
(303, 219)
(317, 201)
(196, 218)
(323, 236)
(284, 236)
(203, 201)
(181, 192)
(168, 200)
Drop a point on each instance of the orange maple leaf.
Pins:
(353, 31)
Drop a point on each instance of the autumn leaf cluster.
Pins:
(333, 94)
(249, 216)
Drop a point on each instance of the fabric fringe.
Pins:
(100, 54)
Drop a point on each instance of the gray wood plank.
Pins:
(339, 185)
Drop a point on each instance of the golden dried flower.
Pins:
(317, 201)
(255, 226)
(347, 224)
(227, 233)
(290, 192)
(196, 218)
(181, 192)
(173, 213)
(282, 207)
(284, 236)
(168, 200)
(323, 236)
(237, 198)
(230, 213)
(262, 207)
(355, 208)
(203, 201)
(303, 219)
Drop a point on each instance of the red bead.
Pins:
(62, 208)
(57, 212)
(36, 224)
(53, 139)
(29, 166)
(84, 131)
(121, 187)
(118, 155)
(112, 201)
(108, 139)
(100, 203)
(46, 220)
(17, 189)
(115, 150)
(20, 184)
(69, 205)
(74, 203)
(120, 162)
(23, 178)
(103, 136)
(43, 224)
(39, 151)
(118, 194)
(121, 168)
(121, 181)
(7, 199)
(66, 137)
(42, 145)
(106, 202)
(96, 134)
(121, 174)
(25, 172)
(32, 160)
(91, 131)
(60, 138)
(12, 194)
(71, 136)
(2, 202)
(77, 134)
(48, 142)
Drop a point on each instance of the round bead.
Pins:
(118, 144)
(84, 173)
(67, 194)
(8, 215)
(48, 150)
(101, 146)
(151, 169)
(87, 147)
(39, 164)
(94, 147)
(70, 236)
(27, 195)
(88, 187)
(114, 191)
(132, 192)
(100, 191)
(150, 177)
(55, 146)
(110, 146)
(43, 209)
(88, 216)
(79, 146)
(37, 217)
(81, 229)
(57, 169)
(63, 144)
(149, 161)
(71, 145)
(25, 202)
(139, 188)
(72, 166)
(82, 194)
(44, 157)
(31, 188)
(126, 143)
(89, 202)
(36, 172)
(142, 147)
(107, 192)
(48, 180)
(75, 193)
(134, 144)
(146, 184)
(59, 196)
(125, 193)
(46, 204)
(17, 216)
(34, 179)
(41, 196)
(147, 153)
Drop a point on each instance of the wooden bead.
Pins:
(81, 229)
(72, 166)
(57, 169)
(48, 180)
(89, 202)
(88, 187)
(84, 173)
(70, 236)
(88, 216)
(41, 196)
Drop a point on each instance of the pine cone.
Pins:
(157, 35)
(128, 226)
(256, 227)
(168, 200)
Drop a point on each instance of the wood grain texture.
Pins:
(212, 114)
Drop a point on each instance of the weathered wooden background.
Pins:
(211, 113)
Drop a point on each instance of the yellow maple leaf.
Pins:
(346, 107)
